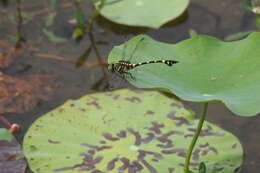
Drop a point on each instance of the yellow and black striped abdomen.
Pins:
(167, 62)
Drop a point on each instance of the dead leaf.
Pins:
(8, 54)
(22, 94)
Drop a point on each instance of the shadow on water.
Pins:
(79, 69)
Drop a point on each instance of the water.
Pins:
(216, 18)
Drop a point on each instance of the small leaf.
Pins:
(50, 19)
(80, 17)
(52, 37)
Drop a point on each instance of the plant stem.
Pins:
(195, 137)
(19, 24)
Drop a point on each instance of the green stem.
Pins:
(195, 137)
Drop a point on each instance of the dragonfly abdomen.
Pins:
(167, 62)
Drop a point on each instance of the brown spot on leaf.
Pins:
(167, 145)
(234, 146)
(218, 169)
(88, 164)
(204, 145)
(149, 167)
(149, 138)
(175, 105)
(155, 160)
(92, 152)
(109, 137)
(149, 112)
(133, 99)
(121, 134)
(97, 171)
(205, 132)
(82, 109)
(170, 170)
(195, 154)
(180, 151)
(143, 153)
(114, 96)
(53, 142)
(102, 142)
(173, 132)
(180, 120)
(156, 127)
(188, 135)
(94, 103)
(136, 166)
(95, 147)
(213, 149)
(137, 136)
(126, 163)
(61, 110)
(111, 164)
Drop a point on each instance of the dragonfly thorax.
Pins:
(121, 66)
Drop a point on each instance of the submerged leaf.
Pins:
(80, 17)
(126, 131)
(22, 94)
(49, 19)
(8, 54)
(208, 69)
(52, 37)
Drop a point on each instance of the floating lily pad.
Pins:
(208, 69)
(148, 13)
(11, 157)
(126, 131)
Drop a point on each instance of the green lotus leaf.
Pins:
(126, 131)
(145, 13)
(208, 69)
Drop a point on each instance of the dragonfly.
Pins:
(123, 66)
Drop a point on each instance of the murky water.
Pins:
(216, 18)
